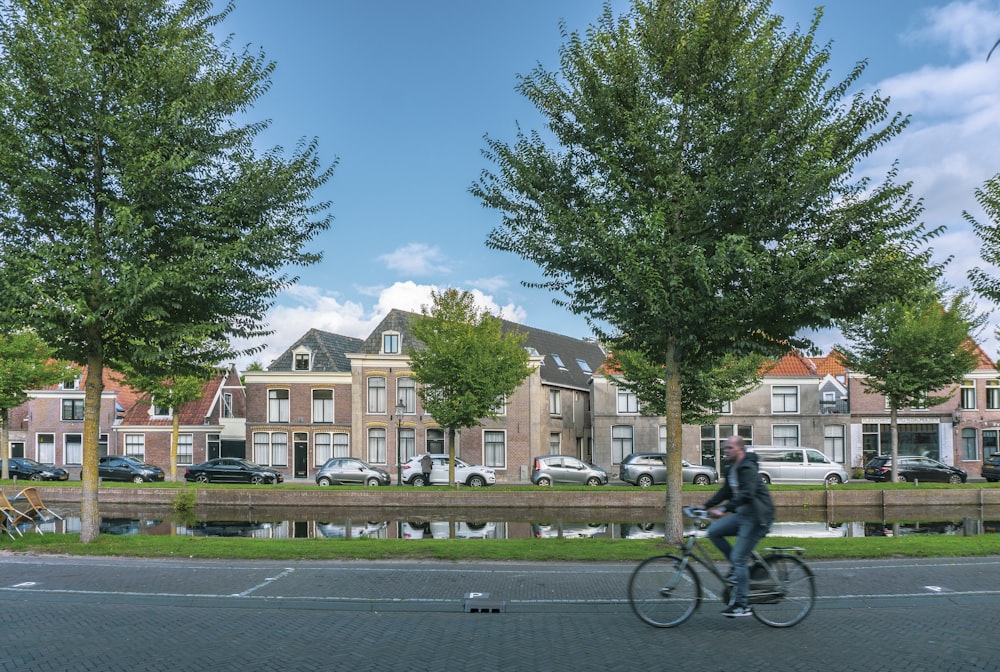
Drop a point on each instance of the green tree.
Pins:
(910, 349)
(26, 363)
(172, 393)
(982, 281)
(466, 365)
(694, 194)
(136, 215)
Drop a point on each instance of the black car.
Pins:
(991, 468)
(127, 468)
(22, 467)
(232, 470)
(913, 468)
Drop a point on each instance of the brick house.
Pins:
(211, 426)
(376, 414)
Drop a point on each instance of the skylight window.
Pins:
(558, 361)
(583, 365)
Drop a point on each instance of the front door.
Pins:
(301, 456)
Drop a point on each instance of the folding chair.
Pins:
(10, 517)
(36, 507)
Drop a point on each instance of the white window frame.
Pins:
(628, 402)
(302, 360)
(73, 448)
(967, 395)
(322, 407)
(784, 399)
(279, 403)
(835, 442)
(390, 343)
(622, 442)
(495, 448)
(185, 449)
(135, 446)
(322, 447)
(406, 392)
(227, 404)
(45, 448)
(376, 395)
(377, 445)
(407, 443)
(341, 444)
(792, 431)
(555, 443)
(270, 449)
(992, 395)
(555, 402)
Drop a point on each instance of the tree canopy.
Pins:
(137, 216)
(466, 365)
(694, 195)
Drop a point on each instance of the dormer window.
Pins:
(302, 360)
(158, 411)
(390, 343)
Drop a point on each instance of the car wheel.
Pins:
(701, 479)
(373, 483)
(256, 479)
(991, 480)
(417, 481)
(644, 481)
(765, 479)
(593, 480)
(544, 481)
(324, 481)
(201, 478)
(901, 478)
(138, 479)
(476, 481)
(36, 477)
(833, 479)
(955, 479)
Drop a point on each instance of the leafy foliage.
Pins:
(465, 363)
(694, 195)
(136, 216)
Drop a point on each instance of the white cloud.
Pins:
(415, 259)
(302, 307)
(965, 28)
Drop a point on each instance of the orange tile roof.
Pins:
(791, 364)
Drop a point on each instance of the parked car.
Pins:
(797, 465)
(646, 469)
(562, 469)
(127, 468)
(442, 529)
(351, 471)
(913, 468)
(473, 475)
(991, 468)
(232, 470)
(569, 530)
(22, 467)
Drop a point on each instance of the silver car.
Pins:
(351, 471)
(473, 475)
(646, 469)
(565, 469)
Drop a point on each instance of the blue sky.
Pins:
(401, 93)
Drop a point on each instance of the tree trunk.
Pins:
(89, 515)
(174, 436)
(894, 440)
(451, 456)
(674, 523)
(4, 443)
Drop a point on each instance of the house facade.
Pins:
(376, 414)
(213, 425)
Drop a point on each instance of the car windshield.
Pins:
(248, 464)
(25, 462)
(140, 463)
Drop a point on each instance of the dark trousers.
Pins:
(747, 533)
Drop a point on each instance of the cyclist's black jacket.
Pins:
(753, 498)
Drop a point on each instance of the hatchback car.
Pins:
(232, 470)
(22, 467)
(991, 468)
(565, 469)
(913, 468)
(473, 475)
(127, 468)
(351, 471)
(646, 469)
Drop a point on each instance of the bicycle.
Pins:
(665, 590)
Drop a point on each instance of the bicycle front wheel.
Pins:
(784, 593)
(664, 591)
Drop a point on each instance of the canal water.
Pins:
(394, 523)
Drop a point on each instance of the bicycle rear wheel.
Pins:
(787, 603)
(664, 591)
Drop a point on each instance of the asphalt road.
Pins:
(67, 614)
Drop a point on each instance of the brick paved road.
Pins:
(86, 614)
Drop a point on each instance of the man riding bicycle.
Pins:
(747, 501)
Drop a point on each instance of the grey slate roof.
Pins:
(329, 352)
(555, 348)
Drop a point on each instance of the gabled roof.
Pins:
(561, 355)
(791, 364)
(191, 413)
(329, 352)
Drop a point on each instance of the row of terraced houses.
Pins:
(330, 395)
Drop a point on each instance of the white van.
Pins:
(797, 465)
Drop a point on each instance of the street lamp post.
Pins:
(400, 409)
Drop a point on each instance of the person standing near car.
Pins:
(746, 512)
(426, 465)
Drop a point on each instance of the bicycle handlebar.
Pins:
(696, 512)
